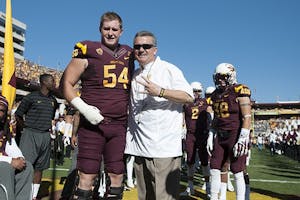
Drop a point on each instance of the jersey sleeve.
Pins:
(242, 91)
(80, 50)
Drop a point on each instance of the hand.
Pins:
(241, 146)
(74, 141)
(210, 142)
(18, 163)
(91, 113)
(150, 87)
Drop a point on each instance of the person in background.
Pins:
(68, 134)
(104, 68)
(60, 148)
(38, 109)
(71, 178)
(154, 134)
(203, 124)
(16, 174)
(229, 136)
(196, 123)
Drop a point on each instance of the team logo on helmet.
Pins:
(226, 72)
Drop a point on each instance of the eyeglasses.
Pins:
(145, 46)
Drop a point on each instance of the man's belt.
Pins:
(223, 134)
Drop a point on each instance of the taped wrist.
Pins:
(244, 133)
(79, 104)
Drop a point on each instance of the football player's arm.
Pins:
(242, 145)
(71, 76)
(245, 106)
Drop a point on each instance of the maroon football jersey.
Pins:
(202, 122)
(227, 114)
(106, 80)
(192, 111)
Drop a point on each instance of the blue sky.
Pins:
(261, 38)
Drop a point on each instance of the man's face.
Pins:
(111, 32)
(50, 83)
(144, 50)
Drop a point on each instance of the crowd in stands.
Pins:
(280, 135)
(30, 71)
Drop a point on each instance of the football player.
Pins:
(196, 118)
(104, 69)
(229, 136)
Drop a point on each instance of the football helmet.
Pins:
(209, 90)
(224, 72)
(197, 86)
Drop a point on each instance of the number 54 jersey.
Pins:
(106, 80)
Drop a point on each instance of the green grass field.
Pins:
(271, 177)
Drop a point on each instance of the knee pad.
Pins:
(80, 193)
(83, 194)
(113, 193)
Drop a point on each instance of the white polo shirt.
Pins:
(155, 123)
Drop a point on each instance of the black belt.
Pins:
(223, 134)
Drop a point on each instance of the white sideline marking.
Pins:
(58, 169)
(273, 181)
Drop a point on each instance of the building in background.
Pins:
(19, 29)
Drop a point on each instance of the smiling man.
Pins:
(155, 125)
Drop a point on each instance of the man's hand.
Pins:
(18, 163)
(91, 113)
(241, 147)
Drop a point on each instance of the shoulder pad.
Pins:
(86, 48)
(209, 101)
(242, 90)
(79, 48)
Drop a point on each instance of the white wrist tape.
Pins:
(79, 104)
(244, 133)
(247, 116)
(91, 113)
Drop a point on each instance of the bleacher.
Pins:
(27, 74)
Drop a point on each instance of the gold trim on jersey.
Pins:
(82, 47)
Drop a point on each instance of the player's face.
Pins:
(111, 33)
(144, 49)
(197, 93)
(221, 80)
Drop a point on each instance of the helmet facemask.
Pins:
(224, 72)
